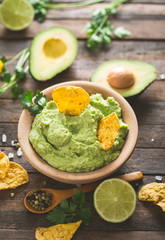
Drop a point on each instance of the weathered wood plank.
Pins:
(16, 234)
(147, 112)
(125, 11)
(149, 31)
(151, 51)
(14, 216)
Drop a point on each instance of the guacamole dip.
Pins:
(70, 143)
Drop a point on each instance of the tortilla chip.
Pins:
(107, 130)
(4, 165)
(71, 100)
(15, 177)
(153, 192)
(57, 232)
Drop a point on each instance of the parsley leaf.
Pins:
(69, 211)
(79, 198)
(16, 91)
(3, 59)
(57, 216)
(85, 215)
(100, 30)
(26, 99)
(40, 99)
(35, 107)
(121, 32)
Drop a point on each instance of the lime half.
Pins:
(16, 14)
(115, 200)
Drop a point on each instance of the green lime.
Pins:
(115, 200)
(16, 14)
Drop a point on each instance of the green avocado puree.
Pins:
(69, 143)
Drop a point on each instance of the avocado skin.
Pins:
(36, 57)
(145, 74)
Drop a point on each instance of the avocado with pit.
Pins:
(128, 78)
(52, 51)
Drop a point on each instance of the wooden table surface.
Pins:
(146, 20)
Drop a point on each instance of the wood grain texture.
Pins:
(145, 19)
(14, 212)
(149, 31)
(92, 235)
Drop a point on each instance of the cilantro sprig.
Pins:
(10, 81)
(36, 106)
(69, 211)
(100, 30)
(41, 7)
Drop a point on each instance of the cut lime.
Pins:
(115, 200)
(16, 14)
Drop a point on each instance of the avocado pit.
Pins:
(121, 77)
(54, 48)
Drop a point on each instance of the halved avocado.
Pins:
(52, 51)
(128, 78)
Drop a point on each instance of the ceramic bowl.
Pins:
(128, 116)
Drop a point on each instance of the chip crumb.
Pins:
(12, 195)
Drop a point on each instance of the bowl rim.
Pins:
(24, 126)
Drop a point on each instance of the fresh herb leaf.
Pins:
(69, 211)
(40, 99)
(100, 30)
(85, 215)
(65, 205)
(16, 91)
(79, 198)
(40, 8)
(20, 73)
(27, 102)
(57, 216)
(6, 76)
(26, 99)
(3, 59)
(121, 32)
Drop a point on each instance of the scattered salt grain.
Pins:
(162, 76)
(10, 155)
(158, 178)
(15, 143)
(4, 138)
(19, 152)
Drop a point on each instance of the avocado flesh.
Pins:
(144, 74)
(52, 51)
